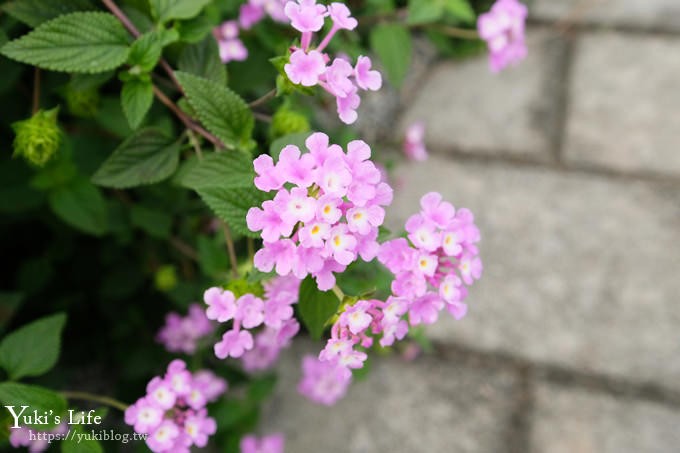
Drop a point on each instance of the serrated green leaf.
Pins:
(33, 349)
(35, 12)
(86, 42)
(460, 9)
(146, 51)
(136, 99)
(220, 110)
(165, 10)
(155, 222)
(36, 398)
(392, 43)
(203, 59)
(316, 307)
(81, 205)
(227, 170)
(424, 11)
(147, 157)
(231, 205)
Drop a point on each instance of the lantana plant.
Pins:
(179, 192)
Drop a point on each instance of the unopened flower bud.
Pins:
(37, 138)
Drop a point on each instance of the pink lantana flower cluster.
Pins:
(254, 11)
(311, 66)
(182, 333)
(249, 312)
(433, 267)
(503, 30)
(230, 46)
(326, 212)
(273, 443)
(324, 382)
(173, 412)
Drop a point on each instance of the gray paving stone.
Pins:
(624, 108)
(468, 108)
(579, 271)
(640, 13)
(402, 407)
(568, 421)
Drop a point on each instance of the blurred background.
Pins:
(570, 162)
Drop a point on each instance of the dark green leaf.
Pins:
(81, 205)
(136, 99)
(153, 221)
(316, 307)
(392, 43)
(232, 205)
(87, 42)
(33, 349)
(146, 51)
(35, 12)
(147, 157)
(227, 170)
(36, 398)
(212, 256)
(220, 110)
(165, 10)
(203, 59)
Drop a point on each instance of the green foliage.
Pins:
(287, 121)
(35, 12)
(228, 170)
(154, 222)
(147, 157)
(232, 205)
(86, 42)
(221, 110)
(460, 10)
(203, 59)
(81, 205)
(165, 10)
(33, 349)
(392, 43)
(136, 98)
(37, 398)
(316, 307)
(427, 11)
(37, 138)
(146, 51)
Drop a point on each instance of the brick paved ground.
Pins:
(571, 163)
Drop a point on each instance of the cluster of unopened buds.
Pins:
(182, 333)
(326, 212)
(173, 412)
(311, 66)
(250, 312)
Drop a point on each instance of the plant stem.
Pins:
(73, 395)
(456, 32)
(184, 248)
(261, 100)
(230, 248)
(36, 90)
(339, 293)
(262, 117)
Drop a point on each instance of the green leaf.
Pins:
(81, 205)
(9, 303)
(220, 110)
(147, 157)
(460, 9)
(87, 42)
(424, 11)
(392, 43)
(83, 444)
(316, 307)
(227, 170)
(155, 222)
(36, 398)
(136, 99)
(165, 10)
(33, 349)
(212, 256)
(146, 51)
(203, 59)
(298, 139)
(35, 12)
(232, 205)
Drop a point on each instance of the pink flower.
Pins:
(35, 440)
(250, 311)
(323, 382)
(181, 334)
(294, 168)
(228, 30)
(414, 145)
(160, 393)
(278, 255)
(295, 206)
(144, 415)
(356, 317)
(314, 234)
(365, 77)
(341, 16)
(163, 437)
(503, 30)
(268, 219)
(232, 50)
(234, 344)
(305, 15)
(198, 427)
(341, 244)
(268, 176)
(273, 443)
(362, 219)
(434, 210)
(209, 384)
(337, 77)
(221, 304)
(305, 68)
(347, 106)
(249, 15)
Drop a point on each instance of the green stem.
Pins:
(74, 395)
(339, 293)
